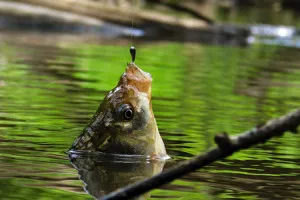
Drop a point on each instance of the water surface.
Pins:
(50, 86)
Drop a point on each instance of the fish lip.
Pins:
(135, 77)
(134, 70)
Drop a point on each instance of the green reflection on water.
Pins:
(48, 95)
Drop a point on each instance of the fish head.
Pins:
(124, 122)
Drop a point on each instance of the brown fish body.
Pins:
(124, 122)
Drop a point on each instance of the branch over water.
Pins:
(227, 145)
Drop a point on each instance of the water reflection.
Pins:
(104, 173)
(48, 92)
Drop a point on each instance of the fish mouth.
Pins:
(137, 73)
(136, 78)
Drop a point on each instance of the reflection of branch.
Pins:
(181, 8)
(227, 145)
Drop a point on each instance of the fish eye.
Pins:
(126, 111)
(128, 114)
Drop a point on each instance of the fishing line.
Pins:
(131, 35)
(132, 23)
(132, 49)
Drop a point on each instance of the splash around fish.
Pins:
(124, 123)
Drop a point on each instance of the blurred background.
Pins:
(217, 65)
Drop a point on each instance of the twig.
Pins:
(227, 145)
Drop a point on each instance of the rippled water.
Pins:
(51, 85)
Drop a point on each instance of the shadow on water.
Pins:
(51, 84)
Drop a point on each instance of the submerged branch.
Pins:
(227, 145)
(116, 15)
(181, 8)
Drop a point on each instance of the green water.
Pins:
(49, 90)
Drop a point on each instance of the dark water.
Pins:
(50, 85)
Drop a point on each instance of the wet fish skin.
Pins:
(110, 131)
